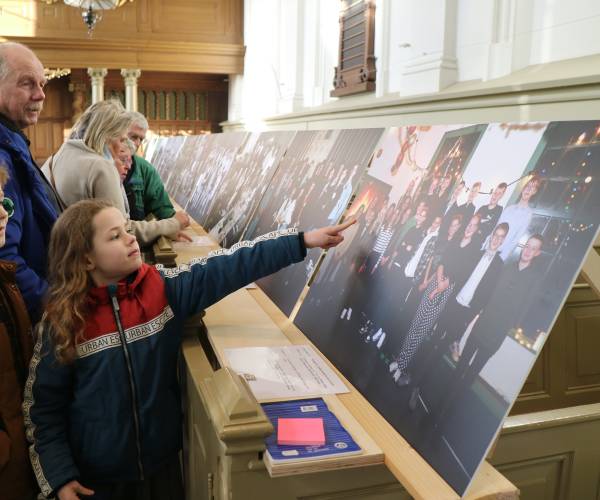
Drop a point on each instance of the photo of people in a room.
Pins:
(245, 185)
(187, 166)
(165, 152)
(211, 168)
(454, 272)
(151, 148)
(311, 188)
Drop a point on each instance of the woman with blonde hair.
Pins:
(84, 168)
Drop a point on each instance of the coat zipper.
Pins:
(136, 419)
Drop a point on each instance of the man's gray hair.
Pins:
(138, 119)
(132, 147)
(4, 66)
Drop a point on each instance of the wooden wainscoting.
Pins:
(200, 36)
(552, 455)
(179, 127)
(567, 372)
(174, 103)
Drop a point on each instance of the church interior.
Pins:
(224, 75)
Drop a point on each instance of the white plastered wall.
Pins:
(438, 61)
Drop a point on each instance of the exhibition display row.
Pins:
(467, 241)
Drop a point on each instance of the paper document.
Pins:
(285, 371)
(197, 241)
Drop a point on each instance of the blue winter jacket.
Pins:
(115, 413)
(28, 230)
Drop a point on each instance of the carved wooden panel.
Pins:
(189, 17)
(46, 138)
(179, 127)
(567, 372)
(186, 20)
(552, 454)
(151, 80)
(20, 18)
(178, 35)
(206, 20)
(175, 103)
(542, 477)
(583, 346)
(537, 385)
(195, 105)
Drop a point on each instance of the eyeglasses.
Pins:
(8, 206)
(138, 138)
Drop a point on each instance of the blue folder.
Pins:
(337, 440)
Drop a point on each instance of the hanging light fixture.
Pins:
(52, 73)
(91, 10)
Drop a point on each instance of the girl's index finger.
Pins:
(345, 225)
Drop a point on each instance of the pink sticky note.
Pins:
(300, 431)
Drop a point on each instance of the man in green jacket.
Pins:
(145, 191)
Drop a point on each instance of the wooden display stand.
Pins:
(164, 253)
(162, 249)
(220, 404)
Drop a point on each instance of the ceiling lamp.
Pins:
(91, 10)
(52, 73)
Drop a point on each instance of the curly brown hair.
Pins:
(71, 241)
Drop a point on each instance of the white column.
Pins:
(291, 57)
(130, 76)
(433, 65)
(311, 42)
(235, 109)
(97, 76)
(383, 28)
(499, 61)
(327, 60)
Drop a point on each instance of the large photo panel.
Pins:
(394, 211)
(209, 166)
(245, 185)
(437, 314)
(163, 153)
(186, 167)
(151, 148)
(311, 188)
